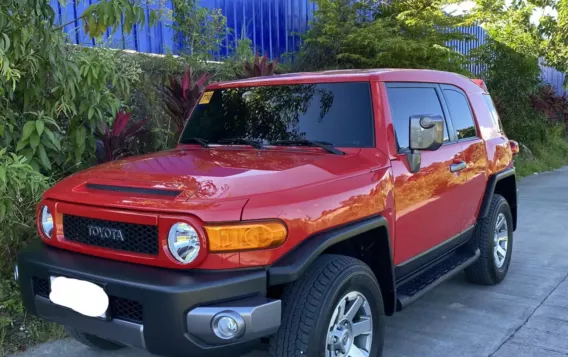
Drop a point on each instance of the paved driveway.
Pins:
(526, 315)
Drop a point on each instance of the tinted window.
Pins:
(460, 113)
(337, 113)
(406, 102)
(493, 111)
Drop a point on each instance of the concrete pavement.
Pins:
(526, 315)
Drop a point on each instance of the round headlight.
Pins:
(183, 242)
(46, 222)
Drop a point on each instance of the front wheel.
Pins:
(334, 310)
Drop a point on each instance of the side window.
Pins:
(406, 102)
(493, 111)
(461, 115)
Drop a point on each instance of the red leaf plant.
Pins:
(260, 67)
(549, 103)
(181, 97)
(114, 143)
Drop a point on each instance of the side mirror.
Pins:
(426, 133)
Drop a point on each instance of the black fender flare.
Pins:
(291, 266)
(490, 191)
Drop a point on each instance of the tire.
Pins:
(486, 269)
(310, 303)
(93, 341)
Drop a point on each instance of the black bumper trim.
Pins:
(131, 334)
(166, 296)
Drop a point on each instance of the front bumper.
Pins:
(165, 312)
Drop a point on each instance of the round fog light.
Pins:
(228, 325)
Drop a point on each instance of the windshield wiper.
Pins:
(204, 143)
(253, 143)
(320, 144)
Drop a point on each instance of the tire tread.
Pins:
(480, 272)
(301, 301)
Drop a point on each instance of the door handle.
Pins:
(458, 166)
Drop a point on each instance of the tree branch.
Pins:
(70, 22)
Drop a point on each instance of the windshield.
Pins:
(339, 114)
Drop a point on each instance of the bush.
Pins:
(20, 189)
(381, 34)
(147, 98)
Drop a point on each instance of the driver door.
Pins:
(428, 201)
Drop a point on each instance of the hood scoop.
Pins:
(135, 190)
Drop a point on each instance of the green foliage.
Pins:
(202, 30)
(243, 50)
(116, 14)
(511, 55)
(53, 94)
(20, 190)
(147, 97)
(374, 34)
(554, 32)
(542, 157)
(529, 27)
(513, 75)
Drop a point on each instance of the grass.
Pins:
(18, 331)
(542, 157)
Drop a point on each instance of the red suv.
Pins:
(297, 210)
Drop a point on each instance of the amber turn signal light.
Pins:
(248, 236)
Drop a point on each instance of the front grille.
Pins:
(128, 189)
(41, 287)
(130, 237)
(120, 308)
(125, 309)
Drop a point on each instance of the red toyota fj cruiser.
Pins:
(297, 210)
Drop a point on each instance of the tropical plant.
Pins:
(258, 67)
(50, 92)
(181, 96)
(379, 34)
(115, 143)
(548, 102)
(21, 187)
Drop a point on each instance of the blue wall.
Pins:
(272, 25)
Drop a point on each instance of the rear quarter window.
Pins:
(461, 114)
(493, 111)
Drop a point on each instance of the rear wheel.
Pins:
(93, 341)
(494, 238)
(334, 310)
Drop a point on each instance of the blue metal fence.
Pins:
(272, 25)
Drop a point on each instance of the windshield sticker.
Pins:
(206, 98)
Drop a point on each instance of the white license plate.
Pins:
(81, 296)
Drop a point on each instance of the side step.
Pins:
(409, 291)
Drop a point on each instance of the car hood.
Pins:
(207, 174)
